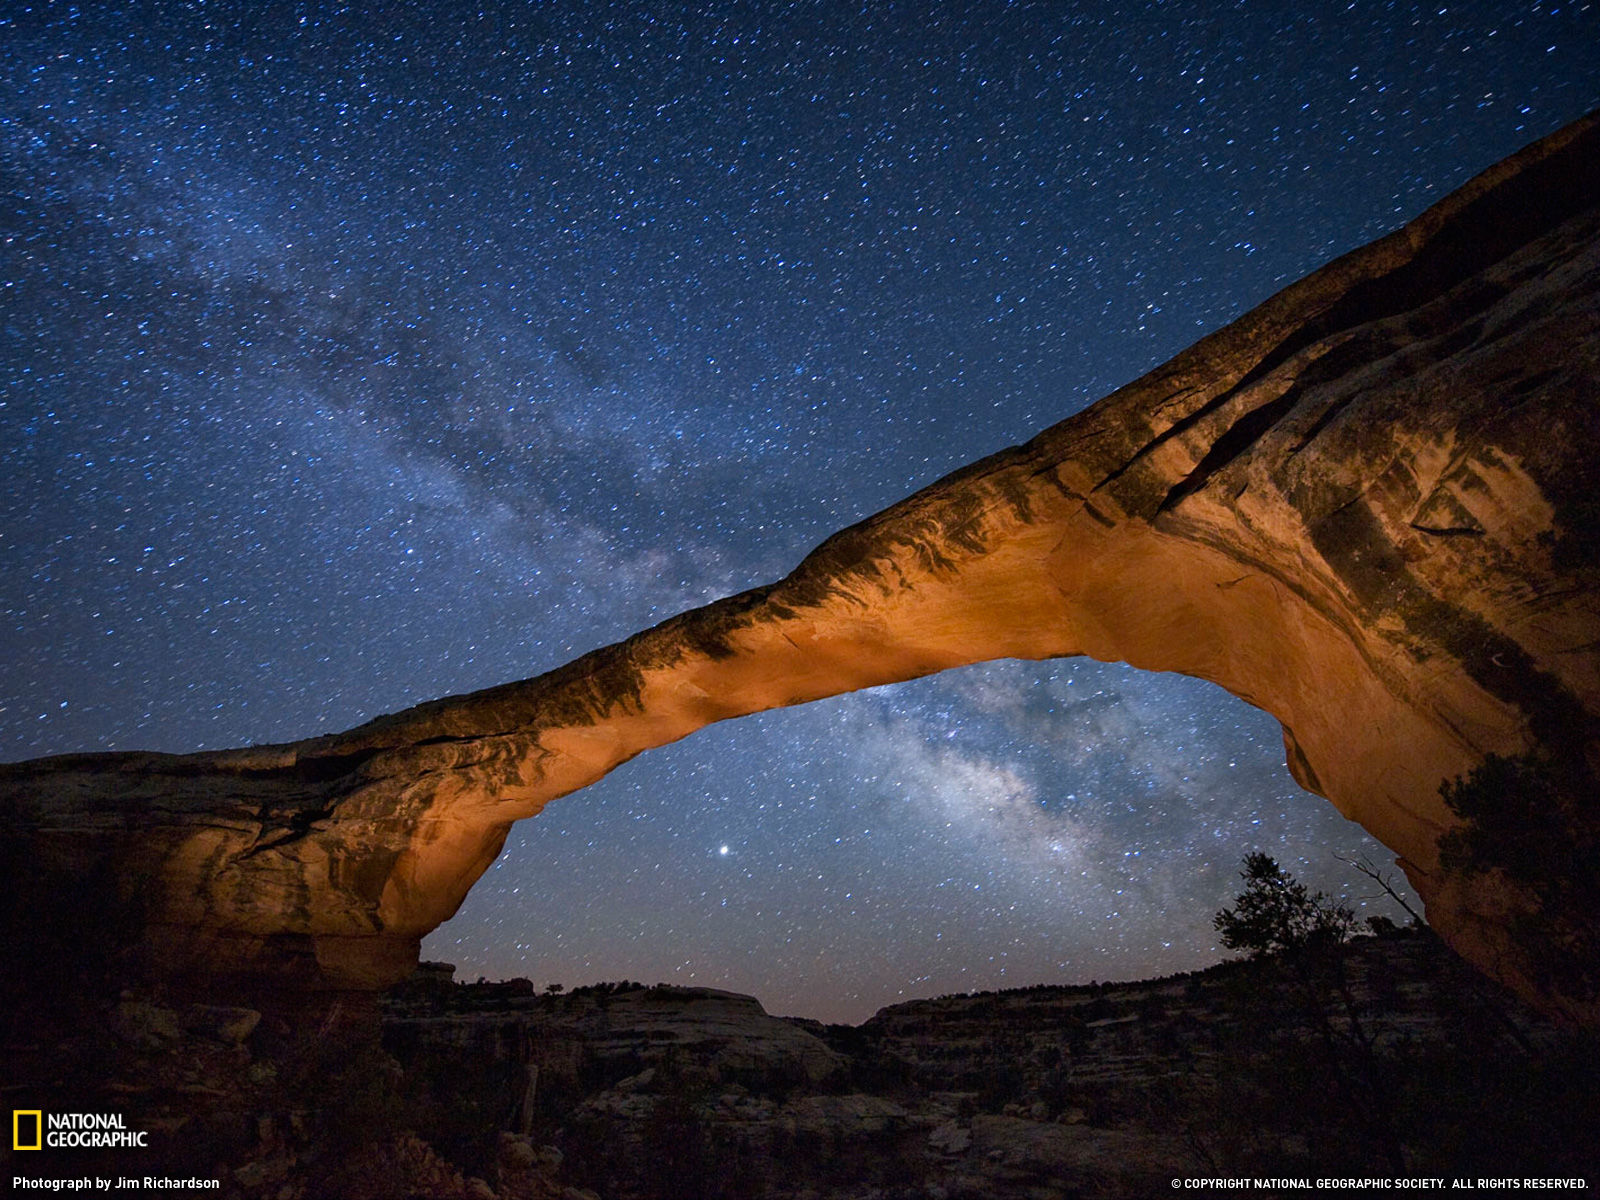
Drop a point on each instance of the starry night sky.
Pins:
(355, 355)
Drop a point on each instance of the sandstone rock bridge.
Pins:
(1367, 507)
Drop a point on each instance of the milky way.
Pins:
(353, 358)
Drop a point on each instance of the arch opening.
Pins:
(997, 825)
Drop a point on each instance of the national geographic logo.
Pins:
(33, 1129)
(27, 1129)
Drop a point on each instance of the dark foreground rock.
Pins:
(1045, 1092)
(1403, 1062)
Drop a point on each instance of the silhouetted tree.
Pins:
(1532, 818)
(1278, 918)
(1275, 914)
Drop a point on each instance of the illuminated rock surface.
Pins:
(1364, 507)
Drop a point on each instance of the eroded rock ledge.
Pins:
(1366, 507)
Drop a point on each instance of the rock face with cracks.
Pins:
(1367, 507)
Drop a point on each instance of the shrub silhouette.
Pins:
(1532, 819)
(1275, 914)
(1277, 919)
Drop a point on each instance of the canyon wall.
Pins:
(1367, 507)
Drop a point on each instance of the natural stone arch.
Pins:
(1360, 507)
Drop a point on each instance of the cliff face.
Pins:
(1099, 1090)
(1365, 507)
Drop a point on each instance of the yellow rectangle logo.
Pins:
(27, 1129)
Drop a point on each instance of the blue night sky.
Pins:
(358, 355)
